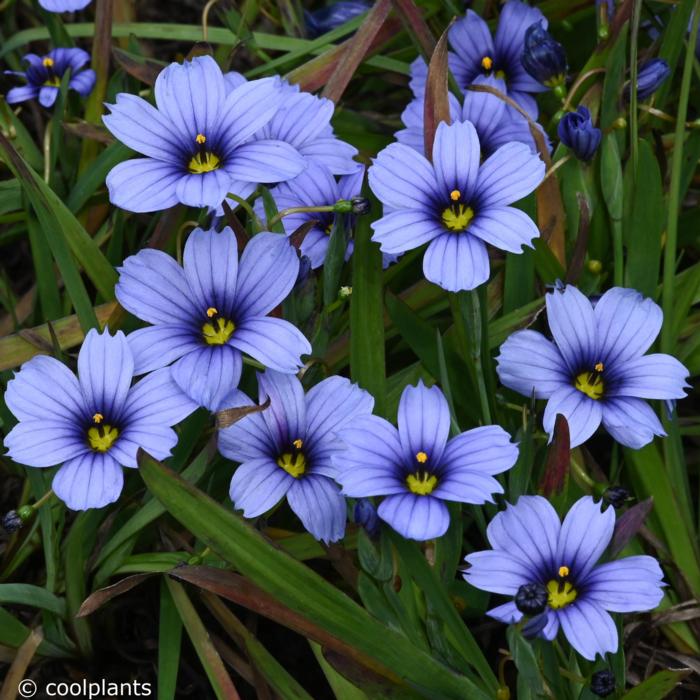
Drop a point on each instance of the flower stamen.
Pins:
(203, 161)
(487, 63)
(212, 311)
(591, 383)
(98, 418)
(421, 457)
(455, 195)
(421, 483)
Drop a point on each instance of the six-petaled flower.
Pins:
(416, 468)
(595, 368)
(93, 424)
(531, 546)
(208, 312)
(287, 450)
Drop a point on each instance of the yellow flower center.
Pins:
(591, 383)
(487, 63)
(294, 463)
(203, 161)
(102, 437)
(457, 216)
(560, 593)
(500, 74)
(48, 62)
(421, 483)
(218, 331)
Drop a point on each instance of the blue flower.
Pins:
(205, 315)
(544, 57)
(64, 5)
(197, 141)
(577, 132)
(495, 122)
(338, 13)
(315, 187)
(475, 53)
(286, 450)
(531, 546)
(45, 73)
(456, 203)
(651, 75)
(595, 369)
(94, 424)
(416, 468)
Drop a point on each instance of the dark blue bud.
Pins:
(616, 496)
(304, 270)
(603, 683)
(531, 598)
(534, 626)
(366, 515)
(544, 57)
(577, 132)
(651, 75)
(327, 18)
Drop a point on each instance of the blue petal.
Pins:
(105, 371)
(424, 423)
(275, 343)
(258, 485)
(589, 629)
(209, 374)
(465, 486)
(266, 275)
(265, 161)
(471, 39)
(92, 481)
(633, 584)
(153, 287)
(487, 450)
(528, 531)
(456, 154)
(143, 128)
(247, 109)
(157, 346)
(330, 151)
(582, 413)
(573, 326)
(83, 82)
(45, 442)
(508, 613)
(415, 517)
(506, 228)
(203, 189)
(513, 22)
(483, 109)
(248, 438)
(23, 93)
(191, 96)
(286, 415)
(211, 269)
(627, 325)
(317, 502)
(47, 96)
(332, 405)
(508, 175)
(64, 5)
(157, 400)
(419, 75)
(400, 231)
(370, 464)
(655, 376)
(156, 439)
(497, 572)
(402, 178)
(456, 261)
(529, 363)
(585, 535)
(45, 388)
(632, 422)
(143, 185)
(301, 118)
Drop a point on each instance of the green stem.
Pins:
(634, 149)
(667, 340)
(248, 208)
(618, 253)
(298, 210)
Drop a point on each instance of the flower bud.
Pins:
(360, 205)
(603, 683)
(531, 598)
(649, 78)
(543, 57)
(366, 516)
(326, 18)
(616, 496)
(595, 266)
(577, 132)
(11, 522)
